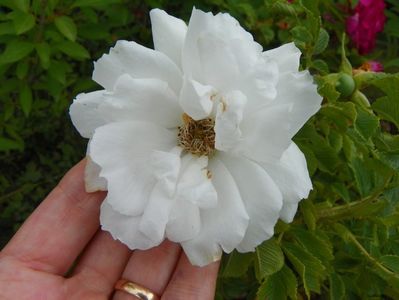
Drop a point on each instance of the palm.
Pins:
(33, 265)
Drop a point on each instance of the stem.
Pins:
(370, 258)
(350, 209)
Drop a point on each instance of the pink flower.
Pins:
(368, 19)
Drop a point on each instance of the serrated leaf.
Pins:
(322, 41)
(15, 51)
(43, 51)
(308, 213)
(314, 244)
(363, 176)
(311, 160)
(388, 107)
(341, 189)
(335, 140)
(337, 287)
(302, 34)
(326, 88)
(25, 99)
(74, 50)
(342, 114)
(67, 27)
(237, 264)
(391, 159)
(388, 142)
(308, 267)
(269, 258)
(327, 157)
(279, 286)
(349, 147)
(321, 66)
(390, 261)
(22, 21)
(366, 123)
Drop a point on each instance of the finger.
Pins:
(151, 269)
(60, 227)
(100, 265)
(190, 282)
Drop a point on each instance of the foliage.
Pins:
(344, 241)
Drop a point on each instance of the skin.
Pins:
(63, 232)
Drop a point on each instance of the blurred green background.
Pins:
(47, 51)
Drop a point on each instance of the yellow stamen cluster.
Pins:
(197, 137)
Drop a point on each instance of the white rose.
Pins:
(192, 140)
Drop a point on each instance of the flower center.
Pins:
(197, 137)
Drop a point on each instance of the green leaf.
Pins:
(94, 3)
(391, 159)
(308, 213)
(15, 51)
(388, 107)
(337, 287)
(67, 27)
(7, 28)
(269, 258)
(57, 71)
(326, 87)
(363, 176)
(359, 98)
(43, 51)
(341, 114)
(237, 264)
(22, 5)
(74, 50)
(322, 41)
(366, 123)
(327, 157)
(320, 65)
(22, 69)
(335, 140)
(22, 21)
(314, 243)
(279, 286)
(25, 99)
(390, 261)
(349, 147)
(308, 267)
(302, 34)
(8, 144)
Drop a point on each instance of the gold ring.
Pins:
(135, 289)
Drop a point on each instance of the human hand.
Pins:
(66, 225)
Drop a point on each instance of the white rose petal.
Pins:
(193, 140)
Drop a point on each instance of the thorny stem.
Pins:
(348, 209)
(370, 258)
